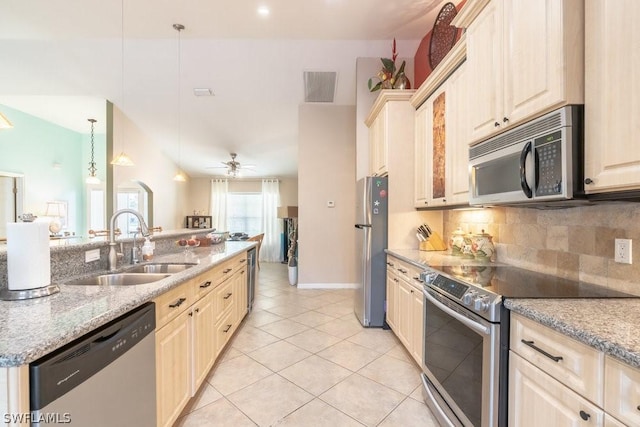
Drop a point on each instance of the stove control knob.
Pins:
(481, 304)
(467, 299)
(428, 276)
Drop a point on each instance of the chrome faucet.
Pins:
(113, 254)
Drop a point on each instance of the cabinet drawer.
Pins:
(622, 391)
(406, 271)
(574, 364)
(224, 330)
(224, 298)
(205, 283)
(170, 304)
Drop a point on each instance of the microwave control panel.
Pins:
(548, 155)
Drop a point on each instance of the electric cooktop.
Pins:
(514, 282)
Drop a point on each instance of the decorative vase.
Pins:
(293, 275)
(386, 84)
(402, 82)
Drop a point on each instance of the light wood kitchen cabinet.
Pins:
(622, 392)
(537, 399)
(173, 368)
(441, 140)
(240, 283)
(204, 343)
(390, 121)
(524, 59)
(405, 305)
(612, 101)
(609, 421)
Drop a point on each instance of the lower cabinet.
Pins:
(405, 306)
(194, 323)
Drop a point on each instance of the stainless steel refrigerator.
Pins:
(371, 241)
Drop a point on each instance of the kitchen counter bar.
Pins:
(33, 328)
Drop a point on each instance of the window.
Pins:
(244, 213)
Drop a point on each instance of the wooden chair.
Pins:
(257, 238)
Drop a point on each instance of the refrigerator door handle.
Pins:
(361, 226)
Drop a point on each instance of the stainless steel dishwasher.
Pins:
(251, 277)
(105, 378)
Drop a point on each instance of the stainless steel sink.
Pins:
(159, 268)
(120, 279)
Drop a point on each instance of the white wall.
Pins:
(326, 171)
(154, 169)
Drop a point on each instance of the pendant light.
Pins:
(179, 175)
(122, 159)
(92, 178)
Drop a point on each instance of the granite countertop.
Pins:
(608, 325)
(33, 328)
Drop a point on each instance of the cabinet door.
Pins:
(173, 368)
(612, 95)
(404, 313)
(240, 285)
(622, 391)
(457, 138)
(484, 60)
(378, 143)
(422, 165)
(417, 325)
(224, 329)
(536, 399)
(392, 300)
(204, 339)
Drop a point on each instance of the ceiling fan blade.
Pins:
(248, 166)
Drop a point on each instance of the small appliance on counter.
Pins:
(28, 260)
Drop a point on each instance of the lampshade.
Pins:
(55, 209)
(4, 122)
(122, 160)
(179, 177)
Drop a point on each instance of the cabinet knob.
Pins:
(505, 120)
(588, 181)
(496, 124)
(584, 415)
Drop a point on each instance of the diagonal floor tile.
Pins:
(206, 395)
(237, 373)
(261, 318)
(394, 373)
(250, 338)
(318, 414)
(340, 328)
(312, 318)
(363, 399)
(279, 355)
(219, 413)
(349, 355)
(284, 328)
(270, 399)
(286, 310)
(335, 310)
(315, 374)
(410, 413)
(375, 338)
(313, 340)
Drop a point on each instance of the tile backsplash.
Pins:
(576, 243)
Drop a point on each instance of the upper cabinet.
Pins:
(612, 96)
(442, 132)
(390, 123)
(525, 58)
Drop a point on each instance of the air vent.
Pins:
(320, 86)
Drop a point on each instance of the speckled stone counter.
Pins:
(609, 325)
(33, 328)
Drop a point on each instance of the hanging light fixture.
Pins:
(179, 175)
(122, 159)
(4, 122)
(92, 178)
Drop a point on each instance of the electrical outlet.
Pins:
(92, 255)
(623, 251)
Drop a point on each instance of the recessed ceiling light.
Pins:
(263, 11)
(202, 92)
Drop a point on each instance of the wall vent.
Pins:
(320, 86)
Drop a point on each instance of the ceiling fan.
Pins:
(233, 167)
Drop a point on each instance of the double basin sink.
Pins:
(137, 275)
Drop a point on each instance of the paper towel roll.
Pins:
(28, 255)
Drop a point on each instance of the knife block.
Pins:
(434, 243)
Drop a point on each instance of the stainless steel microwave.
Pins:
(538, 162)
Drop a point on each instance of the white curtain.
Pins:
(270, 249)
(219, 190)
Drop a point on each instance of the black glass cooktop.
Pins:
(513, 282)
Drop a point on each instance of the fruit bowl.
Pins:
(189, 244)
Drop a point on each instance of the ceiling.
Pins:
(62, 53)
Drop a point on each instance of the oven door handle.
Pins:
(523, 171)
(477, 327)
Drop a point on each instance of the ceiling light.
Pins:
(179, 177)
(263, 11)
(203, 92)
(122, 159)
(4, 122)
(92, 178)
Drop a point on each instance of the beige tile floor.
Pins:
(301, 358)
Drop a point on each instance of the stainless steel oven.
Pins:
(463, 354)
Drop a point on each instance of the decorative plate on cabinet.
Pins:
(443, 34)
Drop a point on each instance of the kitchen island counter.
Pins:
(33, 328)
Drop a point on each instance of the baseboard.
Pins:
(327, 285)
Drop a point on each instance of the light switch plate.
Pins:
(331, 204)
(92, 255)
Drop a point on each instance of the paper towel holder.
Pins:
(45, 291)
